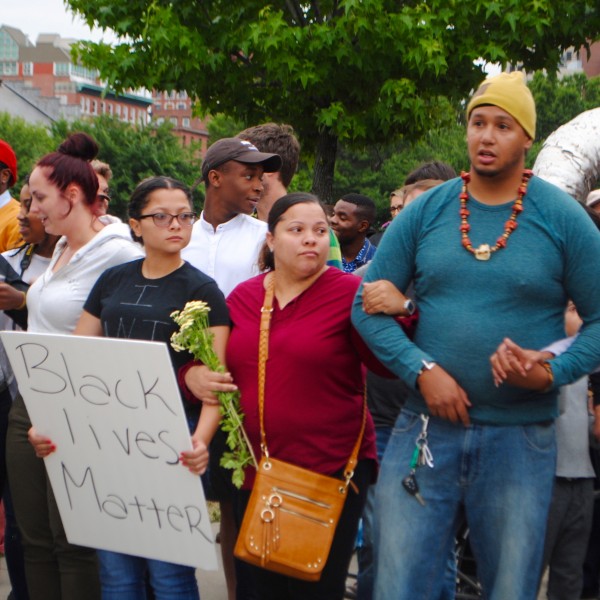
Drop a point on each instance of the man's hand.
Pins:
(444, 397)
(383, 296)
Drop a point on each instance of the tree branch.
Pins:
(296, 12)
(317, 11)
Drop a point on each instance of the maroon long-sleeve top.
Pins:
(314, 377)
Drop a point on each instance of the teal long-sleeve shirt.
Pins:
(468, 306)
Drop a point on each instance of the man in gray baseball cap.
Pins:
(241, 151)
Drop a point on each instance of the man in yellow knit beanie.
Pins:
(493, 256)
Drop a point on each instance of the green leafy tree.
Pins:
(30, 142)
(222, 126)
(133, 154)
(560, 100)
(358, 71)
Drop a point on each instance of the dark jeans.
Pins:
(12, 538)
(273, 586)
(55, 569)
(567, 535)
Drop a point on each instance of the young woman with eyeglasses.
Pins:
(135, 300)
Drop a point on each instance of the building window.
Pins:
(185, 122)
(9, 68)
(62, 69)
(181, 106)
(157, 105)
(160, 120)
(27, 69)
(173, 121)
(9, 49)
(94, 107)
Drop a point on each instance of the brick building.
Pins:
(176, 108)
(47, 69)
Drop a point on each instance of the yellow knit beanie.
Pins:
(509, 92)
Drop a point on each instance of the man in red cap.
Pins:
(9, 207)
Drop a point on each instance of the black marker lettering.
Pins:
(145, 438)
(31, 366)
(87, 389)
(157, 510)
(118, 396)
(139, 508)
(95, 436)
(178, 514)
(87, 472)
(175, 460)
(194, 518)
(69, 425)
(112, 500)
(127, 446)
(149, 393)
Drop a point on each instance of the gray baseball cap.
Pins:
(241, 151)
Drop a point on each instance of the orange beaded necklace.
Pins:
(484, 252)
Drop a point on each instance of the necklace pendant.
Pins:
(483, 252)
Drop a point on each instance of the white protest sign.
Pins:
(113, 409)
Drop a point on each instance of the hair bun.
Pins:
(79, 145)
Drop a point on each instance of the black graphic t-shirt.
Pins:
(133, 307)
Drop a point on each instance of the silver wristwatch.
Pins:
(427, 366)
(409, 306)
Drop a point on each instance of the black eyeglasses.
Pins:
(164, 220)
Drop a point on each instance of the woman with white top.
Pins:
(64, 191)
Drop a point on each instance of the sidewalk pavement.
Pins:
(211, 583)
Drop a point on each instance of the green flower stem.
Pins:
(195, 337)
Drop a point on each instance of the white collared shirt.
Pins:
(229, 253)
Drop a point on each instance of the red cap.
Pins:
(8, 157)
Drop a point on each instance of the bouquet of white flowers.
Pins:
(194, 336)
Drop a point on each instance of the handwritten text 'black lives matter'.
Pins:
(133, 391)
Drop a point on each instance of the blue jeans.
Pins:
(364, 552)
(123, 577)
(501, 477)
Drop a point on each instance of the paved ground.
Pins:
(212, 583)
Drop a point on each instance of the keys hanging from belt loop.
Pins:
(421, 457)
(422, 452)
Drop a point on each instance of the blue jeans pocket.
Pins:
(406, 421)
(540, 436)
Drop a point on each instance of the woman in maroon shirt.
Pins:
(314, 376)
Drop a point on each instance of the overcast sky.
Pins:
(33, 17)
